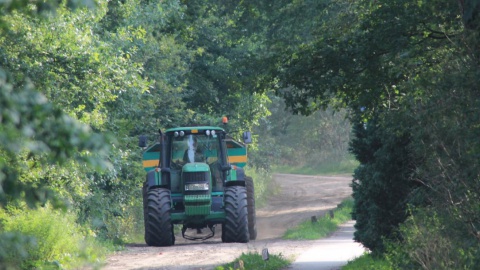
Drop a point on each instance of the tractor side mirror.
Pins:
(142, 141)
(247, 137)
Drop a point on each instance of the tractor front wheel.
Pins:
(158, 226)
(235, 227)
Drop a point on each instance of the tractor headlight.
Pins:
(196, 187)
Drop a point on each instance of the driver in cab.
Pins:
(193, 153)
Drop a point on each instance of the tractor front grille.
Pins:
(196, 178)
(197, 205)
(197, 202)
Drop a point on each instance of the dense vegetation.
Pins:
(79, 80)
(408, 73)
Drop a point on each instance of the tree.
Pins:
(35, 134)
(392, 64)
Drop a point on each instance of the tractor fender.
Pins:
(154, 179)
(236, 177)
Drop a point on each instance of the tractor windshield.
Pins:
(195, 148)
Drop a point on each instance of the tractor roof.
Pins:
(194, 128)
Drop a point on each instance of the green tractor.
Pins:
(195, 178)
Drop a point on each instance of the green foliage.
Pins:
(380, 186)
(253, 260)
(62, 57)
(470, 10)
(125, 68)
(38, 8)
(34, 134)
(48, 239)
(221, 80)
(432, 240)
(429, 239)
(112, 209)
(407, 71)
(324, 225)
(262, 179)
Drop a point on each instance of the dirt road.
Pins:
(300, 197)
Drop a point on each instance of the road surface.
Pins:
(299, 198)
(330, 253)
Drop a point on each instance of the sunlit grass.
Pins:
(367, 262)
(253, 260)
(54, 240)
(330, 168)
(324, 226)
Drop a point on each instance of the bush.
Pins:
(113, 208)
(381, 186)
(49, 239)
(432, 240)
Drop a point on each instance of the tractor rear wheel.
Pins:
(145, 214)
(235, 227)
(252, 216)
(158, 225)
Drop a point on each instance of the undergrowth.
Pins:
(263, 181)
(368, 262)
(45, 238)
(253, 260)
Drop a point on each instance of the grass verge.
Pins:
(367, 262)
(343, 167)
(45, 238)
(254, 260)
(324, 226)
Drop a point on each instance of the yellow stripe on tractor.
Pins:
(151, 163)
(237, 159)
(237, 153)
(151, 157)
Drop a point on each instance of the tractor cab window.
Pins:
(198, 148)
(195, 148)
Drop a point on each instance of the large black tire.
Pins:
(158, 225)
(235, 227)
(252, 214)
(145, 203)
